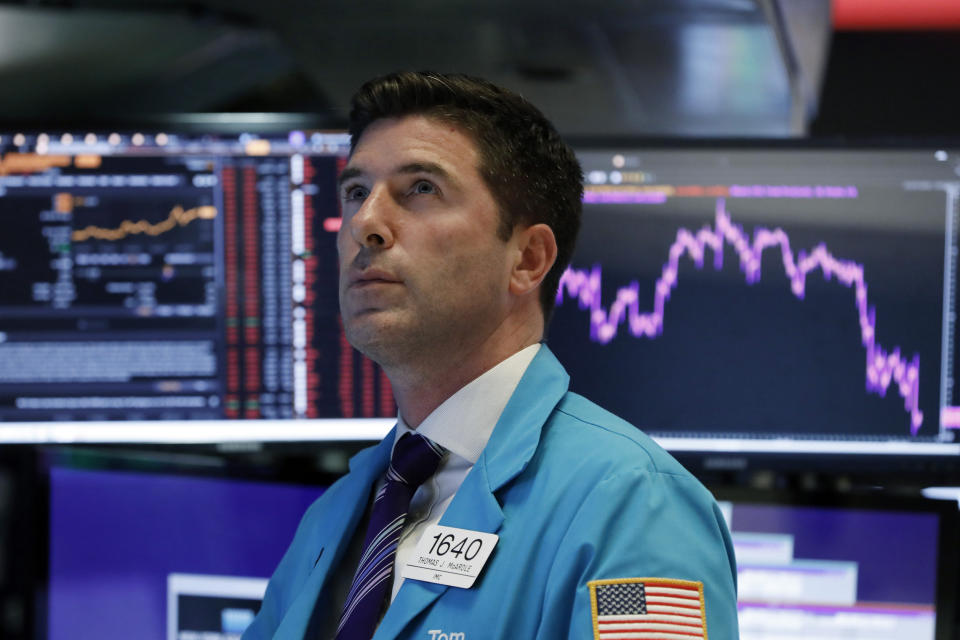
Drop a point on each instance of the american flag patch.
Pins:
(647, 609)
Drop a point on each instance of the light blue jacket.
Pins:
(575, 494)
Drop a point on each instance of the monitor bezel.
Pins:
(946, 511)
(720, 458)
(703, 461)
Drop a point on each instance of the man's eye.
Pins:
(422, 187)
(354, 192)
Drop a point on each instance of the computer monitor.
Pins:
(769, 298)
(162, 555)
(166, 555)
(166, 287)
(843, 566)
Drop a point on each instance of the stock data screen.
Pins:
(736, 299)
(147, 277)
(759, 298)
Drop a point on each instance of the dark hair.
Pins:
(531, 172)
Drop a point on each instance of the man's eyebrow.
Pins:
(348, 174)
(412, 167)
(425, 167)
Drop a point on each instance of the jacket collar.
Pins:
(517, 434)
(508, 452)
(365, 467)
(370, 463)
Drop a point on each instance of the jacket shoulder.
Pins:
(586, 424)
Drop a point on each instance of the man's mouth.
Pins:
(373, 276)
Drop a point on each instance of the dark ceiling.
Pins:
(640, 67)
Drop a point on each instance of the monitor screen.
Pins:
(162, 287)
(774, 299)
(865, 568)
(165, 556)
(161, 556)
(189, 279)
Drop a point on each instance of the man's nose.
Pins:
(372, 225)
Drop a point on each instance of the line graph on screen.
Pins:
(883, 368)
(178, 217)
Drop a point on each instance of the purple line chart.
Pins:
(773, 301)
(883, 367)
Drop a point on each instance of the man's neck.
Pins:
(419, 391)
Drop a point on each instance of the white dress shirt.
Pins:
(462, 425)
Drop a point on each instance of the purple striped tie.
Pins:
(414, 460)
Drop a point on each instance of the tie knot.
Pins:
(414, 459)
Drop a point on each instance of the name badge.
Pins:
(450, 556)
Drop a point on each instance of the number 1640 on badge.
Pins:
(450, 556)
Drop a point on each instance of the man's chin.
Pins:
(373, 333)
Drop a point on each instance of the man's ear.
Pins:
(536, 253)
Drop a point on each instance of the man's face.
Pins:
(422, 272)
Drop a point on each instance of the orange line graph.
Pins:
(178, 216)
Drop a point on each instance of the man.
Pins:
(460, 209)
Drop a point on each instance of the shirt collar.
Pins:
(464, 421)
